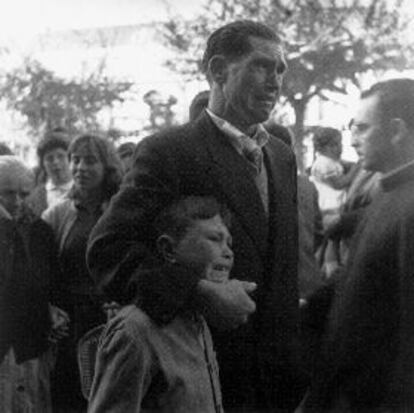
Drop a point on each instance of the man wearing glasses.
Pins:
(366, 360)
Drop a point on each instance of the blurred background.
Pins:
(127, 68)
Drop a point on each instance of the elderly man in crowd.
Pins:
(28, 264)
(226, 153)
(367, 358)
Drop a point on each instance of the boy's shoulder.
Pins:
(134, 325)
(131, 322)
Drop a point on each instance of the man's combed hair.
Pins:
(180, 215)
(232, 40)
(396, 99)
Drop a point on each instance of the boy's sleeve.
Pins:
(124, 239)
(122, 373)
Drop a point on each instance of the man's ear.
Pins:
(166, 247)
(217, 67)
(399, 132)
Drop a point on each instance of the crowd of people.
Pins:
(206, 273)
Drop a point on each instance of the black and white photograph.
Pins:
(207, 206)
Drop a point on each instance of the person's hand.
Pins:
(226, 305)
(111, 309)
(60, 323)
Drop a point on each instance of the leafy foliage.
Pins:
(330, 43)
(48, 101)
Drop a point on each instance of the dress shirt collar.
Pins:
(238, 139)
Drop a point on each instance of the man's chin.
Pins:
(261, 116)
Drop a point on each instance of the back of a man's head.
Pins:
(396, 100)
(232, 40)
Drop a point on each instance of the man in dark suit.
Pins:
(227, 154)
(366, 361)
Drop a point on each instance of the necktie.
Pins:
(254, 155)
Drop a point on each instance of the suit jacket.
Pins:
(197, 159)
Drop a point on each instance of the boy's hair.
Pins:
(324, 137)
(181, 214)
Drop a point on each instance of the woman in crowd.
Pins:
(53, 174)
(96, 172)
(28, 322)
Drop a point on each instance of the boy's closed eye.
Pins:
(206, 245)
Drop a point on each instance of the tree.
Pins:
(330, 43)
(48, 101)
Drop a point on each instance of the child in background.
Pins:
(328, 173)
(331, 179)
(170, 368)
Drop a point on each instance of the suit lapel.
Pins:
(235, 182)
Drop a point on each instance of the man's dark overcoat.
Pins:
(197, 159)
(366, 362)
